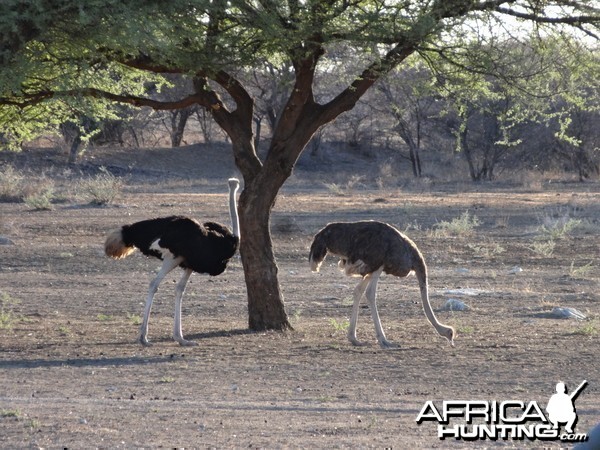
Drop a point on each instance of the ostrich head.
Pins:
(448, 333)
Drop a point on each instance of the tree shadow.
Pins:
(220, 334)
(85, 362)
(138, 360)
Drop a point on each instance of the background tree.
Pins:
(55, 52)
(492, 110)
(270, 86)
(411, 98)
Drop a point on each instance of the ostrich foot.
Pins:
(387, 344)
(144, 341)
(185, 343)
(356, 342)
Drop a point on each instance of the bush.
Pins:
(11, 184)
(459, 226)
(102, 189)
(41, 200)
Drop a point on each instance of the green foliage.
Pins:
(14, 413)
(64, 330)
(512, 83)
(589, 329)
(339, 326)
(559, 228)
(104, 317)
(459, 226)
(581, 271)
(166, 380)
(554, 227)
(52, 77)
(543, 247)
(7, 315)
(62, 60)
(486, 251)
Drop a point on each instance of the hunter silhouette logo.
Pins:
(561, 406)
(510, 419)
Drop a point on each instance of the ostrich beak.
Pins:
(451, 338)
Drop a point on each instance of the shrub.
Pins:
(559, 228)
(7, 316)
(543, 248)
(11, 184)
(102, 189)
(459, 226)
(39, 194)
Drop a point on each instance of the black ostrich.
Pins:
(366, 249)
(178, 241)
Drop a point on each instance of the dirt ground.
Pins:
(72, 375)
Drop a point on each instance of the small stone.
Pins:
(453, 304)
(6, 241)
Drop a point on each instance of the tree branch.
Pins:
(349, 96)
(569, 20)
(206, 100)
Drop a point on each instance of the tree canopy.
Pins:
(61, 57)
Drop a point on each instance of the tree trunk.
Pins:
(74, 149)
(266, 310)
(464, 145)
(415, 161)
(179, 120)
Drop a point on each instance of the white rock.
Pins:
(469, 292)
(453, 304)
(6, 241)
(567, 313)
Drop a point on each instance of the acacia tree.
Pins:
(54, 52)
(410, 98)
(541, 81)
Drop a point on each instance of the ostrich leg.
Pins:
(179, 290)
(371, 295)
(358, 293)
(168, 265)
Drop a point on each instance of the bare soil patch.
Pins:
(71, 374)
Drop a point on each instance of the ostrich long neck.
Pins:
(428, 311)
(421, 274)
(235, 221)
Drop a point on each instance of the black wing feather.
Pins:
(205, 248)
(142, 234)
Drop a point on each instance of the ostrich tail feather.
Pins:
(318, 250)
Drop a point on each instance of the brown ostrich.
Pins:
(366, 249)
